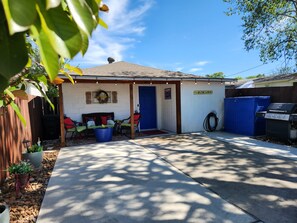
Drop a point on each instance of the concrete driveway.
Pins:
(121, 182)
(258, 179)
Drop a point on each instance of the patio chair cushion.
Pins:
(77, 129)
(104, 119)
(96, 116)
(69, 123)
(136, 119)
(91, 123)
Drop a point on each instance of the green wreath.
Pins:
(102, 96)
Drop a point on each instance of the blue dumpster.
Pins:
(240, 115)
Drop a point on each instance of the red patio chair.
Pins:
(126, 123)
(73, 127)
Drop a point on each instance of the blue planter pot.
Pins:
(103, 134)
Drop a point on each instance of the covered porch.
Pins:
(161, 97)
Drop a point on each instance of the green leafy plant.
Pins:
(22, 167)
(57, 30)
(34, 148)
(269, 26)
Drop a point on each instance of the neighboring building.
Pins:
(283, 80)
(243, 83)
(167, 100)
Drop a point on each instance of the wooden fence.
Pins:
(277, 94)
(12, 133)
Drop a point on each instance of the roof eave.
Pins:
(147, 78)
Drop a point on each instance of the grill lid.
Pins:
(284, 108)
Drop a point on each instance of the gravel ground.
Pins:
(25, 209)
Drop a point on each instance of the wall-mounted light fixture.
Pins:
(208, 82)
(151, 82)
(133, 80)
(195, 81)
(97, 80)
(166, 81)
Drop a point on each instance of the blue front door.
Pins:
(148, 107)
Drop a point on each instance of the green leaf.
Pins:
(85, 43)
(49, 57)
(62, 32)
(67, 75)
(94, 5)
(4, 82)
(13, 55)
(44, 94)
(20, 14)
(42, 79)
(18, 112)
(52, 3)
(74, 69)
(102, 23)
(9, 93)
(1, 103)
(82, 15)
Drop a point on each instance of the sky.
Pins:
(193, 36)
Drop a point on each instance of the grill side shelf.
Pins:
(275, 116)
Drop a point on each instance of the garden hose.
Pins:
(206, 124)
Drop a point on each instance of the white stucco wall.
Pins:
(167, 109)
(75, 100)
(194, 108)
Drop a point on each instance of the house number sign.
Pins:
(198, 92)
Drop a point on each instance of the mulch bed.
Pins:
(25, 209)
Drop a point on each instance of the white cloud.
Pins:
(179, 68)
(195, 69)
(125, 24)
(201, 63)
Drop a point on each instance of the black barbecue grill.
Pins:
(281, 121)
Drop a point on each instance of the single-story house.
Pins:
(167, 100)
(283, 80)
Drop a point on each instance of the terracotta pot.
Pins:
(21, 182)
(4, 214)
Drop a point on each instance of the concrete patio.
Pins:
(146, 180)
(258, 177)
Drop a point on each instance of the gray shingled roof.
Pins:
(287, 77)
(129, 70)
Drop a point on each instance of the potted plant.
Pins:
(34, 154)
(21, 172)
(4, 214)
(103, 133)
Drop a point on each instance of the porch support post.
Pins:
(132, 111)
(61, 111)
(178, 108)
